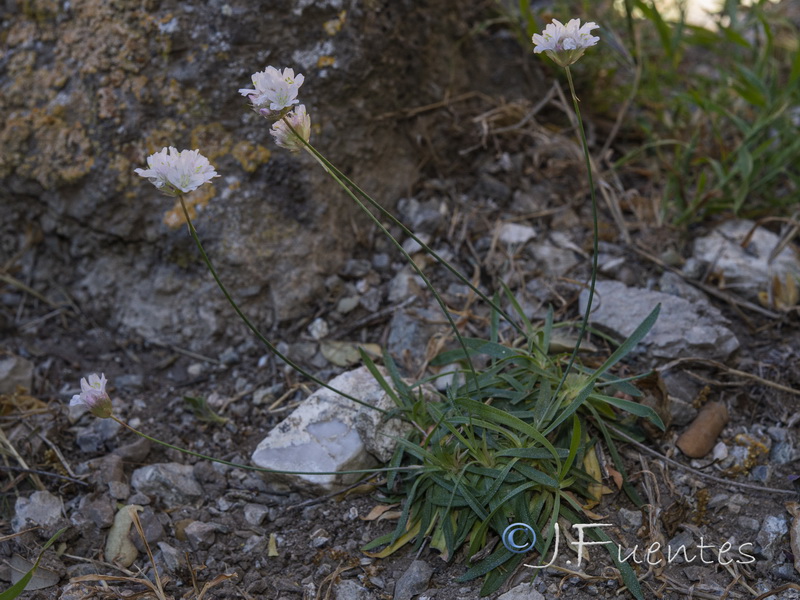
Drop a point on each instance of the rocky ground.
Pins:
(498, 189)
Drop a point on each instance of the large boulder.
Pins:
(90, 88)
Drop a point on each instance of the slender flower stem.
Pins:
(250, 467)
(399, 246)
(252, 327)
(341, 177)
(585, 322)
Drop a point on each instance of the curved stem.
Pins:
(252, 327)
(331, 169)
(588, 159)
(250, 467)
(399, 246)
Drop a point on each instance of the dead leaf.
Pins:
(272, 545)
(402, 541)
(781, 296)
(346, 354)
(42, 578)
(592, 467)
(616, 476)
(378, 511)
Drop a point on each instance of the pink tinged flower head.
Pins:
(285, 137)
(176, 173)
(565, 44)
(93, 395)
(274, 92)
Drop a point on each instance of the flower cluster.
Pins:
(275, 91)
(274, 94)
(301, 124)
(176, 173)
(93, 395)
(565, 44)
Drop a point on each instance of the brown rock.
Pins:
(700, 437)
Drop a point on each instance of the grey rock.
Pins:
(118, 490)
(493, 189)
(782, 452)
(681, 411)
(136, 451)
(96, 435)
(748, 270)
(412, 245)
(40, 508)
(172, 483)
(152, 527)
(15, 372)
(351, 590)
(761, 473)
(131, 382)
(320, 538)
(410, 330)
(96, 509)
(685, 540)
(355, 268)
(329, 433)
(515, 234)
(254, 514)
(786, 572)
(523, 591)
(201, 535)
(318, 329)
(555, 256)
(64, 191)
(420, 217)
(381, 261)
(106, 469)
(674, 284)
(683, 328)
(773, 528)
(414, 581)
(748, 523)
(256, 544)
(347, 304)
(229, 356)
(630, 520)
(404, 285)
(372, 299)
(171, 557)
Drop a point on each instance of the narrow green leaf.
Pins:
(19, 587)
(642, 330)
(634, 408)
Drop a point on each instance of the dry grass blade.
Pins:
(27, 289)
(138, 524)
(786, 237)
(708, 289)
(730, 371)
(120, 578)
(4, 441)
(777, 590)
(219, 579)
(675, 463)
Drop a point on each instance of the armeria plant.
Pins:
(511, 442)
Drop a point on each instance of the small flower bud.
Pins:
(93, 395)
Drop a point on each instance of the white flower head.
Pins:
(565, 44)
(93, 395)
(176, 173)
(300, 122)
(275, 91)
